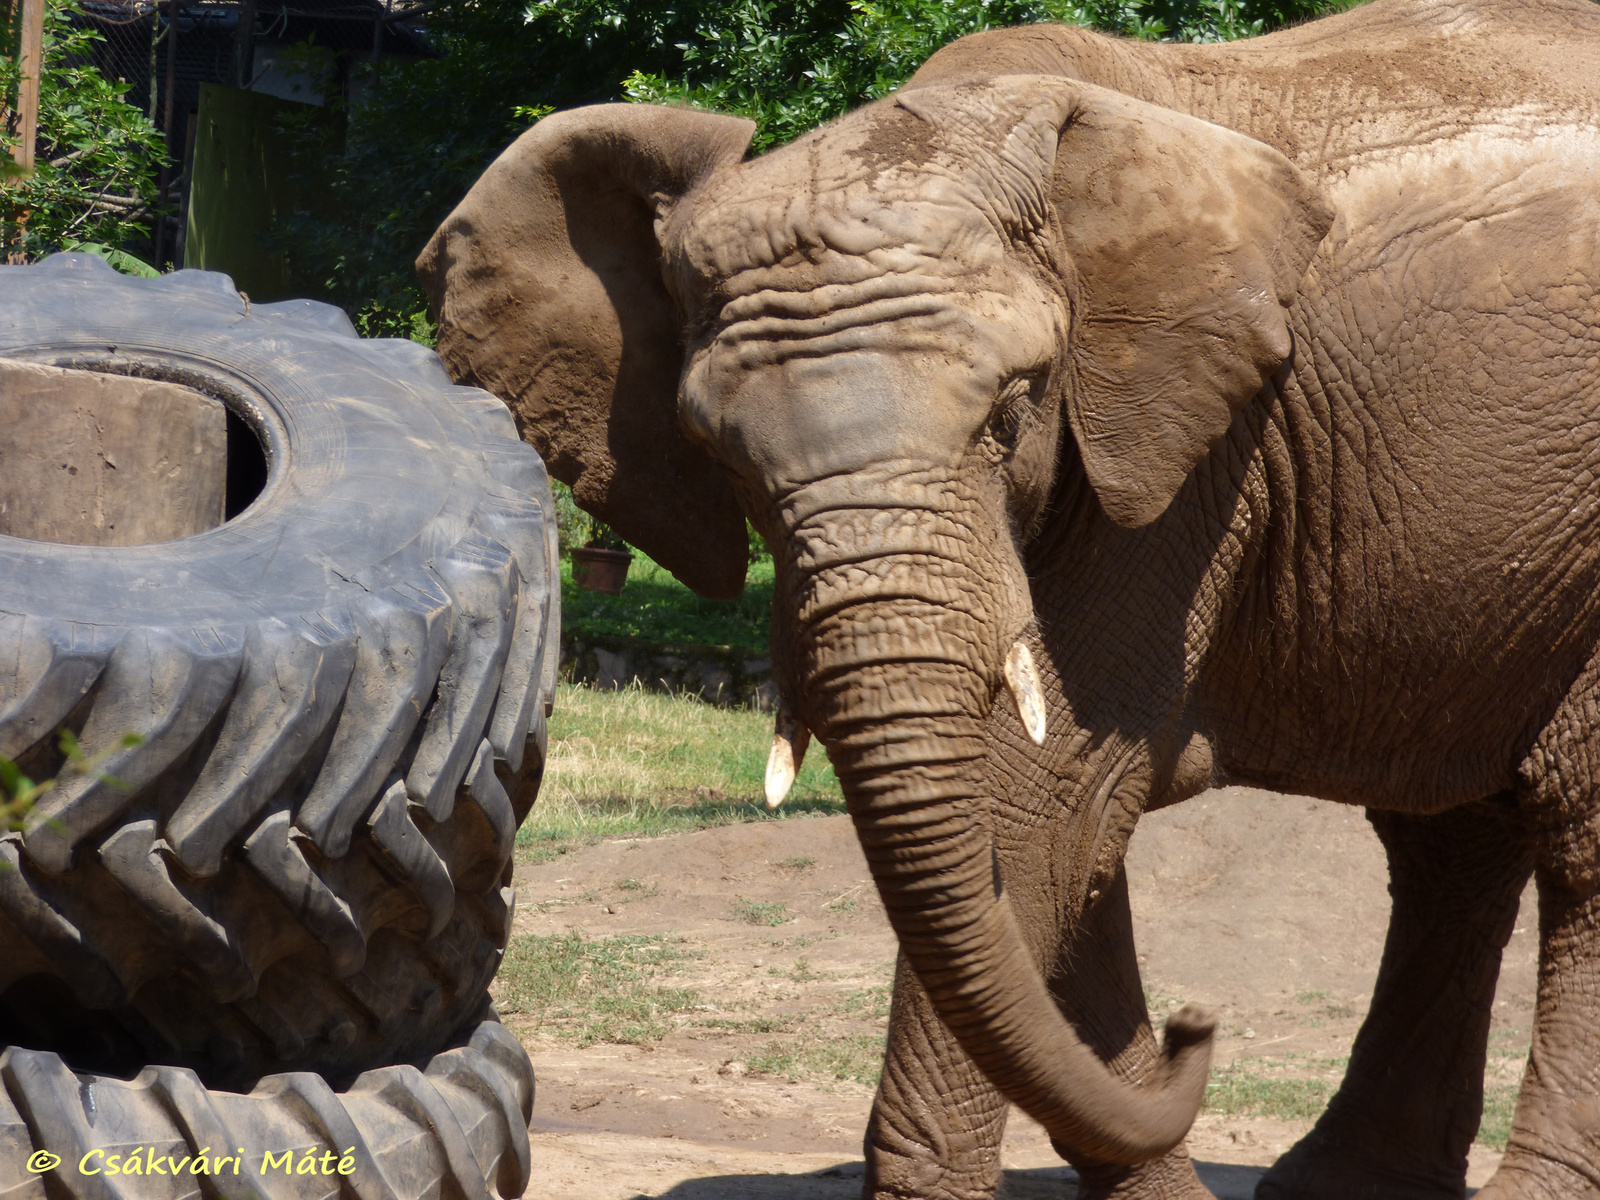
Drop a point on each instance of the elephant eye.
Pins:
(1013, 408)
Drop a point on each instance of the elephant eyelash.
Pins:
(1013, 409)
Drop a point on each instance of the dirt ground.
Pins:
(1269, 909)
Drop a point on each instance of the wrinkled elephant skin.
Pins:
(1128, 419)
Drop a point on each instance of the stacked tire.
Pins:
(270, 922)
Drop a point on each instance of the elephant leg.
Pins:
(1405, 1116)
(936, 1122)
(1554, 1149)
(1097, 984)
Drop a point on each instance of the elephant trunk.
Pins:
(898, 687)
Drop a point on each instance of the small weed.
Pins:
(799, 862)
(1311, 997)
(803, 973)
(760, 912)
(842, 904)
(637, 889)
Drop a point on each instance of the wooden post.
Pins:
(244, 44)
(166, 128)
(31, 49)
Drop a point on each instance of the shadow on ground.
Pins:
(844, 1183)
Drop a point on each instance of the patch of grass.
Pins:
(639, 764)
(868, 1002)
(594, 990)
(761, 912)
(857, 1057)
(1324, 1007)
(655, 606)
(1281, 1089)
(1242, 1091)
(781, 1024)
(1158, 1004)
(845, 901)
(1499, 1106)
(799, 862)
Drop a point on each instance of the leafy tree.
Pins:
(97, 157)
(426, 130)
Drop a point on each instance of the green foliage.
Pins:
(19, 794)
(655, 606)
(121, 260)
(792, 66)
(93, 187)
(425, 130)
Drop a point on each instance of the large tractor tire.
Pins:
(338, 696)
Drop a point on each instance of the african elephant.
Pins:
(1235, 407)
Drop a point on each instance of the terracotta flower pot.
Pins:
(596, 570)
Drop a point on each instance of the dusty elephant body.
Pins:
(1255, 398)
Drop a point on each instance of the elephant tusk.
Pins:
(789, 743)
(1023, 680)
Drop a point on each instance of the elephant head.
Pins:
(874, 342)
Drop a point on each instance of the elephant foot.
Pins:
(911, 1176)
(1529, 1177)
(924, 1181)
(1170, 1177)
(1324, 1168)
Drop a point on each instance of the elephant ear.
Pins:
(547, 284)
(1183, 243)
(1189, 243)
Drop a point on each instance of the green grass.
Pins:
(655, 606)
(1499, 1106)
(1262, 1088)
(1242, 1091)
(857, 1057)
(754, 912)
(640, 764)
(594, 990)
(868, 1002)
